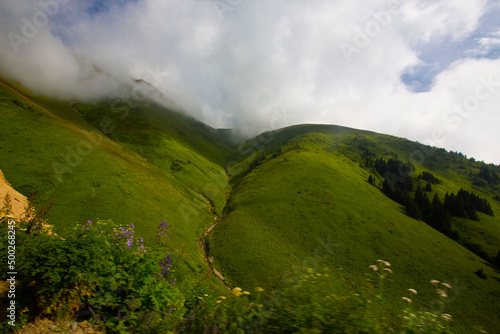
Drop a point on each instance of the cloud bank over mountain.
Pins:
(424, 70)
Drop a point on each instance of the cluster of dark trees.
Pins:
(466, 204)
(496, 260)
(256, 162)
(429, 177)
(399, 185)
(491, 177)
(397, 180)
(394, 167)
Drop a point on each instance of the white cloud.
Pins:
(486, 45)
(471, 115)
(427, 20)
(265, 64)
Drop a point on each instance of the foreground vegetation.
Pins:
(103, 273)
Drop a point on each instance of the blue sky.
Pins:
(408, 68)
(438, 55)
(104, 7)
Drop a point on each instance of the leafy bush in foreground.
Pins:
(102, 271)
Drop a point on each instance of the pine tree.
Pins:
(496, 260)
(423, 204)
(428, 187)
(412, 209)
(440, 217)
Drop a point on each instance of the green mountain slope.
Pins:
(188, 150)
(301, 200)
(50, 151)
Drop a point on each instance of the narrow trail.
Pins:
(203, 247)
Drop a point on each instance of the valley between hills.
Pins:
(266, 212)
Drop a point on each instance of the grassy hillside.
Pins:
(186, 149)
(50, 151)
(301, 199)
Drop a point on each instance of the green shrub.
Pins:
(104, 272)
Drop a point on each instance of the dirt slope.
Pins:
(18, 201)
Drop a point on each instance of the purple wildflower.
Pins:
(165, 265)
(161, 231)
